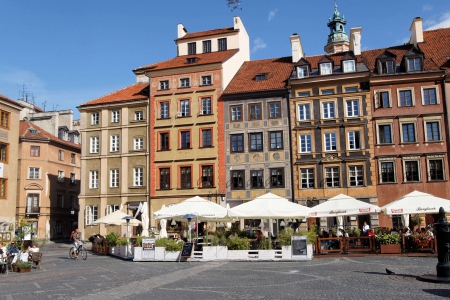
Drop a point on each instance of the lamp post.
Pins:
(127, 218)
(72, 209)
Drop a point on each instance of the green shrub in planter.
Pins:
(310, 235)
(24, 264)
(388, 239)
(265, 244)
(238, 244)
(214, 240)
(122, 241)
(161, 242)
(112, 238)
(173, 246)
(285, 236)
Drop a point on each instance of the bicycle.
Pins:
(80, 251)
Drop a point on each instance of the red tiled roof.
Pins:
(207, 33)
(436, 47)
(129, 93)
(277, 70)
(2, 97)
(337, 57)
(181, 61)
(41, 134)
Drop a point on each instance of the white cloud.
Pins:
(442, 22)
(272, 14)
(427, 7)
(258, 43)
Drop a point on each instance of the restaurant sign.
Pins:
(397, 211)
(364, 210)
(148, 248)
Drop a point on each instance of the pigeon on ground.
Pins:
(389, 272)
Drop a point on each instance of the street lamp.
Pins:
(72, 209)
(127, 218)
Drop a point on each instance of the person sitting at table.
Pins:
(330, 233)
(12, 248)
(259, 236)
(33, 249)
(429, 232)
(343, 233)
(371, 232)
(233, 235)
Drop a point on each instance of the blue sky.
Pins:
(67, 53)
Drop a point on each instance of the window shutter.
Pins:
(86, 215)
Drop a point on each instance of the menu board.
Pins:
(187, 250)
(148, 248)
(298, 246)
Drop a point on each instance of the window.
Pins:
(255, 111)
(206, 106)
(3, 188)
(138, 143)
(352, 108)
(236, 113)
(192, 48)
(164, 85)
(185, 140)
(222, 44)
(61, 176)
(185, 177)
(256, 141)
(257, 177)
(277, 177)
(4, 152)
(384, 134)
(138, 115)
(207, 176)
(191, 60)
(325, 68)
(354, 140)
(432, 133)
(307, 178)
(330, 141)
(34, 151)
(302, 72)
(184, 82)
(237, 179)
(351, 89)
(414, 64)
(237, 142)
(115, 116)
(206, 80)
(206, 46)
(34, 173)
(185, 110)
(114, 178)
(332, 177)
(411, 171)
(32, 203)
(164, 178)
(405, 98)
(59, 201)
(429, 96)
(349, 66)
(383, 100)
(328, 110)
(276, 140)
(436, 169)
(260, 77)
(72, 178)
(408, 132)
(93, 179)
(91, 214)
(387, 172)
(304, 94)
(114, 139)
(94, 144)
(60, 155)
(138, 176)
(327, 92)
(387, 67)
(304, 112)
(275, 110)
(164, 110)
(112, 208)
(164, 141)
(355, 174)
(206, 137)
(305, 143)
(72, 158)
(95, 118)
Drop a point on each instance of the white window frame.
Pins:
(391, 126)
(434, 119)
(356, 167)
(406, 121)
(326, 68)
(206, 80)
(138, 176)
(414, 59)
(139, 115)
(73, 178)
(332, 111)
(377, 97)
(352, 140)
(330, 136)
(349, 66)
(34, 173)
(413, 100)
(94, 144)
(60, 155)
(419, 169)
(114, 143)
(302, 72)
(310, 176)
(114, 178)
(164, 84)
(91, 214)
(436, 157)
(115, 116)
(205, 106)
(394, 165)
(350, 113)
(305, 141)
(185, 108)
(436, 89)
(306, 109)
(112, 208)
(60, 176)
(95, 118)
(164, 111)
(185, 82)
(93, 179)
(138, 143)
(332, 177)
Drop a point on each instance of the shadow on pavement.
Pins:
(438, 292)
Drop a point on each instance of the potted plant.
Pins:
(389, 243)
(24, 266)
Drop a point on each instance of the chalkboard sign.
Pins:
(187, 251)
(298, 246)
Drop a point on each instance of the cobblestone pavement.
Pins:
(105, 277)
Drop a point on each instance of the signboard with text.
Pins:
(148, 248)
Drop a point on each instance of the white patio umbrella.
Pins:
(163, 231)
(145, 219)
(417, 203)
(116, 218)
(342, 205)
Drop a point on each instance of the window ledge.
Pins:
(164, 189)
(183, 87)
(137, 150)
(201, 147)
(137, 187)
(163, 150)
(191, 188)
(409, 182)
(168, 118)
(437, 180)
(184, 148)
(434, 141)
(277, 149)
(383, 183)
(385, 144)
(137, 121)
(207, 187)
(409, 143)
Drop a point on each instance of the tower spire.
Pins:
(337, 38)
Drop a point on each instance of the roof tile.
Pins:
(207, 33)
(24, 132)
(129, 93)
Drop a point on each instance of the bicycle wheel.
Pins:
(83, 253)
(71, 252)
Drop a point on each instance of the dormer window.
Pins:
(302, 72)
(414, 64)
(191, 60)
(386, 67)
(207, 46)
(33, 131)
(348, 66)
(260, 77)
(192, 48)
(325, 69)
(222, 44)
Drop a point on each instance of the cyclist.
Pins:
(76, 236)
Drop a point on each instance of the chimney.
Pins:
(181, 31)
(297, 49)
(237, 23)
(416, 31)
(355, 40)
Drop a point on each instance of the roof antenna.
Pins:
(234, 4)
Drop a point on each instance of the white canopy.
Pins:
(269, 206)
(417, 203)
(145, 219)
(203, 209)
(116, 218)
(342, 205)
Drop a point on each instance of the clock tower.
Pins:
(337, 39)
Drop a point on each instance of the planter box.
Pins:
(159, 253)
(238, 254)
(137, 253)
(171, 255)
(222, 252)
(391, 249)
(266, 254)
(286, 252)
(26, 270)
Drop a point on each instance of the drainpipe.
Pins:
(290, 139)
(149, 198)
